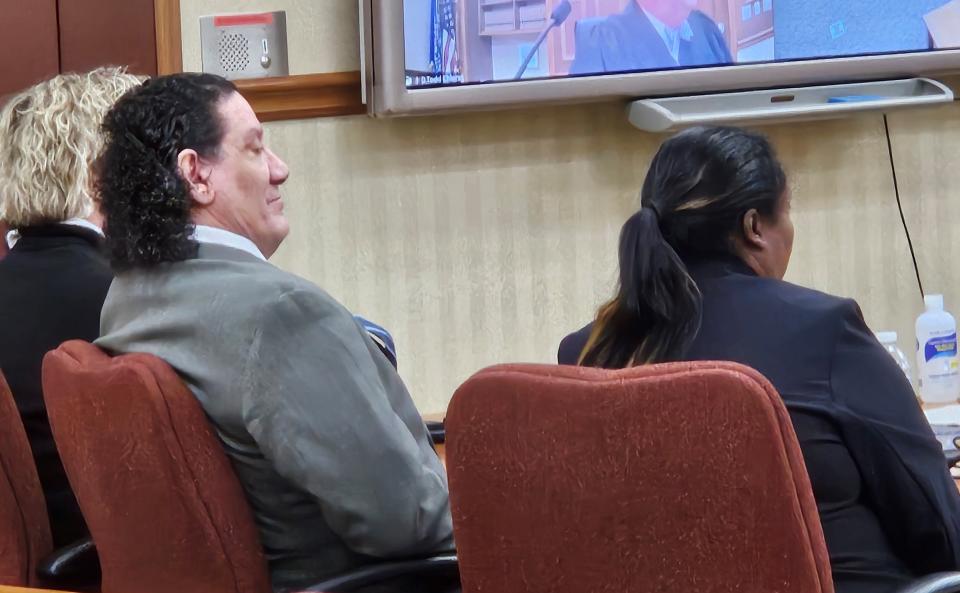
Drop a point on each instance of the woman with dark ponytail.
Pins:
(701, 278)
(704, 184)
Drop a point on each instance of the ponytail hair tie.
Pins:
(653, 208)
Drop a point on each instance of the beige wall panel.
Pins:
(484, 238)
(476, 239)
(849, 239)
(926, 146)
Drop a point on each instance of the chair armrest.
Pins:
(434, 567)
(941, 582)
(438, 434)
(75, 566)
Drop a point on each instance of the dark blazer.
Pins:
(889, 508)
(627, 42)
(52, 286)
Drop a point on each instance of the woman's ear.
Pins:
(752, 230)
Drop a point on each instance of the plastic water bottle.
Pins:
(937, 363)
(889, 342)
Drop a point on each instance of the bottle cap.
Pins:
(933, 302)
(887, 337)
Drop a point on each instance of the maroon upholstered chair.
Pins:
(24, 527)
(162, 502)
(681, 478)
(160, 497)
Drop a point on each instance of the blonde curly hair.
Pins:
(50, 137)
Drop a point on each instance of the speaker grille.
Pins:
(234, 52)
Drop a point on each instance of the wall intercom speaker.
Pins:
(239, 46)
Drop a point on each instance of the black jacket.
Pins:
(52, 287)
(628, 42)
(889, 508)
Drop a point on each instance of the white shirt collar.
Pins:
(83, 223)
(209, 234)
(13, 235)
(671, 37)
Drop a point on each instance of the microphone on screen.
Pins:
(560, 14)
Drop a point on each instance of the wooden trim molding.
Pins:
(304, 96)
(273, 99)
(166, 14)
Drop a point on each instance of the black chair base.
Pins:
(438, 574)
(942, 582)
(438, 433)
(75, 567)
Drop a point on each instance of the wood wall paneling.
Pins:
(169, 36)
(307, 95)
(108, 32)
(30, 28)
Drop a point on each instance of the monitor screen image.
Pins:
(449, 43)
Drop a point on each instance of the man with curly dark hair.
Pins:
(332, 453)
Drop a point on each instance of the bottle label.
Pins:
(941, 347)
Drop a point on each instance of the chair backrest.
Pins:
(673, 478)
(160, 497)
(24, 526)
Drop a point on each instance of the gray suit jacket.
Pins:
(334, 457)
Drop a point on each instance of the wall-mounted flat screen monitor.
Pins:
(435, 55)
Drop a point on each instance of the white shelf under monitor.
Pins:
(812, 102)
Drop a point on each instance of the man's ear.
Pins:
(752, 229)
(196, 174)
